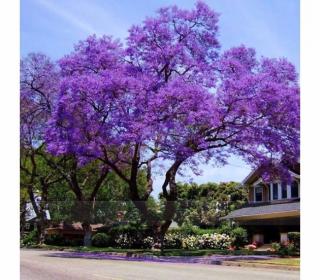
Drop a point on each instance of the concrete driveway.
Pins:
(43, 265)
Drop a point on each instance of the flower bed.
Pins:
(190, 242)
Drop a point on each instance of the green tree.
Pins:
(203, 205)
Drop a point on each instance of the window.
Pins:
(284, 190)
(258, 193)
(274, 191)
(294, 189)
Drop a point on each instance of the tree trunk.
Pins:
(41, 226)
(87, 238)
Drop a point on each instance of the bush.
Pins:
(239, 237)
(172, 241)
(190, 242)
(294, 237)
(276, 246)
(30, 239)
(60, 240)
(284, 250)
(100, 240)
(225, 228)
(128, 236)
(126, 240)
(186, 230)
(148, 242)
(55, 239)
(207, 241)
(214, 241)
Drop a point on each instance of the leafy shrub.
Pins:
(100, 240)
(173, 241)
(284, 249)
(55, 239)
(74, 242)
(128, 235)
(214, 241)
(190, 242)
(60, 240)
(125, 240)
(207, 241)
(30, 238)
(291, 249)
(275, 246)
(294, 237)
(239, 237)
(191, 230)
(201, 231)
(225, 228)
(148, 242)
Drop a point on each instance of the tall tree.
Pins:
(39, 81)
(170, 94)
(203, 205)
(39, 89)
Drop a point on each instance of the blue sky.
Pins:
(269, 26)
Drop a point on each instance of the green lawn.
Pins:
(279, 261)
(167, 252)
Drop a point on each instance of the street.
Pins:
(41, 265)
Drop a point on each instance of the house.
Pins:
(273, 208)
(70, 231)
(30, 216)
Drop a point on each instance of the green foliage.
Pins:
(188, 229)
(30, 239)
(173, 240)
(206, 241)
(276, 246)
(239, 237)
(294, 237)
(287, 250)
(203, 205)
(290, 249)
(54, 239)
(59, 240)
(101, 240)
(284, 249)
(129, 235)
(225, 227)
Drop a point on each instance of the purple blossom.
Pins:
(169, 93)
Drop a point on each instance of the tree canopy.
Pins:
(170, 93)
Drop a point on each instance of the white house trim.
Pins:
(258, 182)
(279, 191)
(289, 191)
(294, 174)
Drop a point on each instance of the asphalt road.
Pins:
(39, 265)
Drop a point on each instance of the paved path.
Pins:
(42, 265)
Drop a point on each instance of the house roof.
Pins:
(256, 173)
(263, 210)
(74, 226)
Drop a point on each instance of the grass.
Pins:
(167, 252)
(279, 261)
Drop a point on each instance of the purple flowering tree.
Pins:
(171, 94)
(39, 88)
(39, 83)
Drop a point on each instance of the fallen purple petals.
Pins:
(216, 259)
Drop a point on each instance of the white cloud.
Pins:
(87, 16)
(66, 15)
